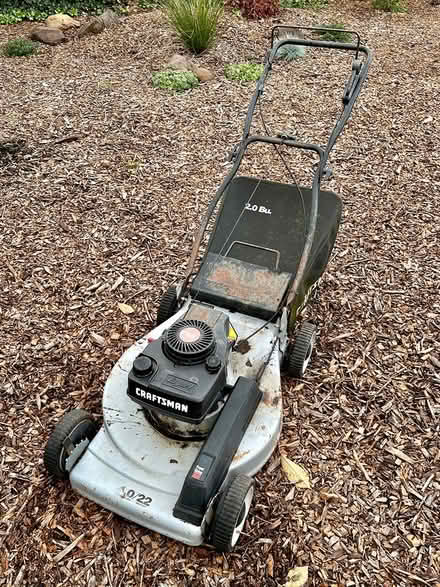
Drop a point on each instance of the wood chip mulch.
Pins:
(103, 181)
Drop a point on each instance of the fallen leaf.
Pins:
(297, 577)
(414, 540)
(125, 308)
(295, 473)
(270, 565)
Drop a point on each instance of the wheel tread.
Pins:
(226, 516)
(167, 305)
(300, 348)
(62, 430)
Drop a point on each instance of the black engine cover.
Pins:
(183, 373)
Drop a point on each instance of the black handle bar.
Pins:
(276, 29)
(288, 142)
(351, 92)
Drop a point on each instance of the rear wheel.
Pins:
(167, 306)
(73, 429)
(301, 351)
(232, 512)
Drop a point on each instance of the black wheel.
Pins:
(74, 427)
(167, 306)
(300, 352)
(231, 513)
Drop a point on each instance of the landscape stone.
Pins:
(109, 17)
(180, 63)
(61, 22)
(92, 27)
(48, 35)
(99, 23)
(202, 73)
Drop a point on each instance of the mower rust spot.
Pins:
(242, 347)
(251, 284)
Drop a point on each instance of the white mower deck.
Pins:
(135, 471)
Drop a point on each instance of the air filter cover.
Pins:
(188, 342)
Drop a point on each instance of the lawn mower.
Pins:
(192, 410)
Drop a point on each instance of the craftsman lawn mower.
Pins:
(192, 411)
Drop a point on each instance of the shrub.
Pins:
(244, 72)
(195, 21)
(13, 11)
(148, 4)
(19, 48)
(312, 4)
(340, 35)
(257, 8)
(389, 5)
(177, 81)
(291, 52)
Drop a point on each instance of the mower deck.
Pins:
(135, 471)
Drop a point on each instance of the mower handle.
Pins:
(284, 141)
(351, 92)
(316, 43)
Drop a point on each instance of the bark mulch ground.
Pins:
(103, 181)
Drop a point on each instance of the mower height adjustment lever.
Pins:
(353, 81)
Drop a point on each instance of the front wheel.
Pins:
(75, 428)
(299, 355)
(232, 512)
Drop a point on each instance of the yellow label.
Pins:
(232, 334)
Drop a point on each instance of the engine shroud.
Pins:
(182, 374)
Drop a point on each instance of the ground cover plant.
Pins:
(19, 48)
(13, 11)
(308, 4)
(243, 72)
(339, 35)
(177, 81)
(103, 182)
(390, 5)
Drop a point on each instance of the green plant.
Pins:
(148, 4)
(244, 72)
(195, 21)
(13, 11)
(340, 35)
(312, 4)
(291, 52)
(177, 81)
(390, 5)
(19, 48)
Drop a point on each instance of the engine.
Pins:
(182, 374)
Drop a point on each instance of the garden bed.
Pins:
(100, 198)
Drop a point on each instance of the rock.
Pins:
(109, 17)
(61, 22)
(48, 35)
(99, 23)
(202, 73)
(93, 27)
(180, 63)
